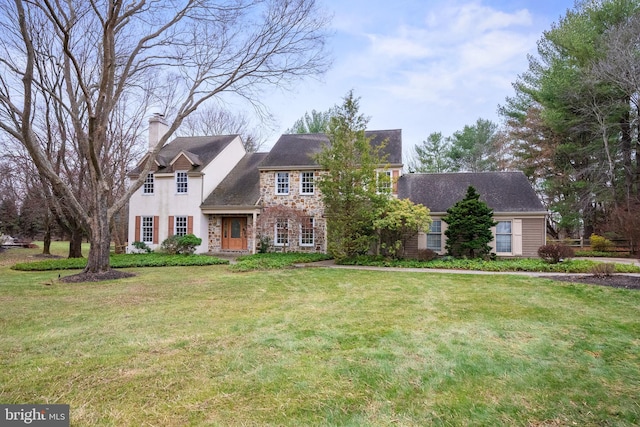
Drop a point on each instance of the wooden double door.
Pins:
(234, 233)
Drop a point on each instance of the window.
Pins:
(147, 229)
(282, 232)
(503, 236)
(181, 182)
(384, 182)
(282, 183)
(180, 226)
(306, 232)
(306, 183)
(434, 236)
(147, 187)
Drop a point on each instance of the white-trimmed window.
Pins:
(182, 182)
(307, 236)
(503, 237)
(147, 187)
(180, 226)
(282, 182)
(306, 183)
(282, 232)
(147, 229)
(434, 236)
(384, 181)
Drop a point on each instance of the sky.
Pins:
(422, 66)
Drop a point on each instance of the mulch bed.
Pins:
(614, 281)
(96, 277)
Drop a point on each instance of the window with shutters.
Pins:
(503, 237)
(180, 226)
(147, 229)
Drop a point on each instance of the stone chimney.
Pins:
(157, 128)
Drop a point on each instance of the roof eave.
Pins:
(230, 209)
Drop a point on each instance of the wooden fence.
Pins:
(619, 245)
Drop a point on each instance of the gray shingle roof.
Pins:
(200, 149)
(501, 191)
(297, 150)
(241, 187)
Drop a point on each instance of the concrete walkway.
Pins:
(332, 264)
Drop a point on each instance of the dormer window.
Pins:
(147, 187)
(181, 182)
(282, 182)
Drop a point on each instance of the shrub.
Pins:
(427, 255)
(603, 269)
(264, 243)
(180, 244)
(187, 244)
(141, 247)
(600, 244)
(553, 254)
(170, 245)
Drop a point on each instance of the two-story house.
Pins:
(234, 200)
(282, 181)
(185, 172)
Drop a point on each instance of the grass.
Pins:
(274, 261)
(179, 346)
(122, 261)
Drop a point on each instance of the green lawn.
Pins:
(178, 346)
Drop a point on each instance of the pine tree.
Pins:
(469, 227)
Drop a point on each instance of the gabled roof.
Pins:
(199, 150)
(501, 191)
(297, 150)
(240, 188)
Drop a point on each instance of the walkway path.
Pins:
(332, 264)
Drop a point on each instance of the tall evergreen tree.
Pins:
(432, 156)
(316, 122)
(349, 187)
(469, 227)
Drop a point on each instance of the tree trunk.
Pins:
(99, 238)
(46, 240)
(75, 242)
(625, 148)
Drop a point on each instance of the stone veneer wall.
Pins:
(309, 204)
(215, 233)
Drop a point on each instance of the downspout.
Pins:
(253, 232)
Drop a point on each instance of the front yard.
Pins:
(203, 345)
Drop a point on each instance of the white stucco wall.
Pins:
(166, 202)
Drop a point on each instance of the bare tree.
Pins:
(212, 120)
(179, 53)
(281, 222)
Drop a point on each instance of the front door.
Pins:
(234, 233)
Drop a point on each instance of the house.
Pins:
(284, 179)
(521, 217)
(185, 171)
(234, 200)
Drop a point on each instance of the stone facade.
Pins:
(307, 205)
(215, 234)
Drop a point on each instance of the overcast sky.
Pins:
(422, 66)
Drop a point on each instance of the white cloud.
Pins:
(424, 65)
